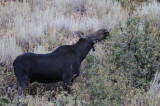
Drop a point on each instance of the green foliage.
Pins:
(101, 90)
(128, 3)
(134, 51)
(4, 101)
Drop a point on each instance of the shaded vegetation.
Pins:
(135, 51)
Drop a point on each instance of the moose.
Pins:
(63, 64)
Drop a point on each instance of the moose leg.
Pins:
(67, 82)
(22, 85)
(20, 94)
(66, 86)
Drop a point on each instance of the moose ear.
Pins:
(80, 34)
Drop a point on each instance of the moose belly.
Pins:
(42, 78)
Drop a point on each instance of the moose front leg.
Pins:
(67, 86)
(67, 82)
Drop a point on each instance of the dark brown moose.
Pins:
(63, 64)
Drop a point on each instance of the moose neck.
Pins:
(83, 48)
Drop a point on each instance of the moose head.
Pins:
(95, 37)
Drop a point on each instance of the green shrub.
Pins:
(134, 51)
(128, 3)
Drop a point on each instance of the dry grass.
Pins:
(155, 85)
(151, 10)
(32, 20)
(9, 50)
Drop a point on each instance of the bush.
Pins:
(127, 3)
(134, 51)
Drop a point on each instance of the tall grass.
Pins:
(9, 50)
(152, 10)
(155, 86)
(30, 21)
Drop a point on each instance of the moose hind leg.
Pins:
(22, 78)
(22, 84)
